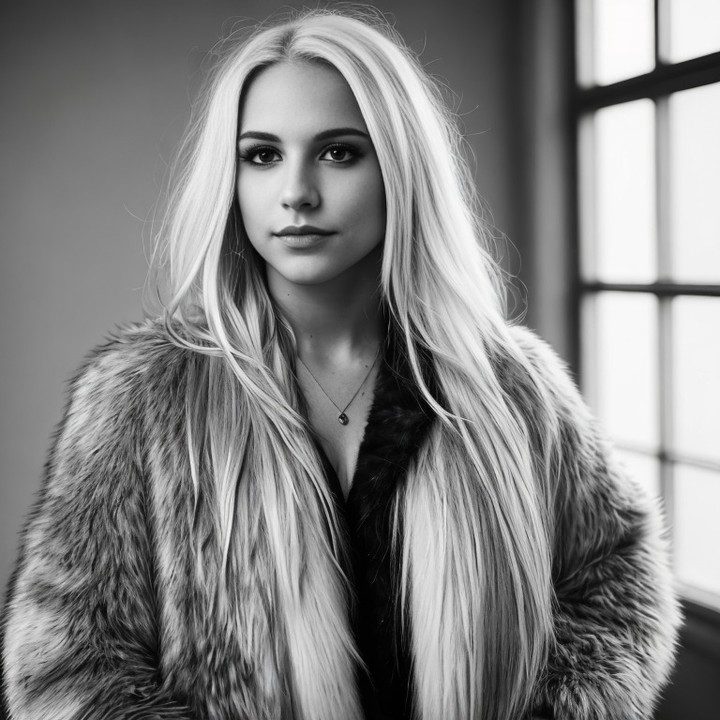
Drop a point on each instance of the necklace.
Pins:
(343, 419)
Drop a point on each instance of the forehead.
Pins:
(291, 97)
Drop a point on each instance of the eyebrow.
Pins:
(324, 135)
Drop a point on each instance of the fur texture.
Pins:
(106, 617)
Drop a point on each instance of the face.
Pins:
(307, 165)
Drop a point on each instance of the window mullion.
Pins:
(585, 48)
(663, 206)
(663, 176)
(665, 406)
(660, 43)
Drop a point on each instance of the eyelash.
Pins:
(249, 153)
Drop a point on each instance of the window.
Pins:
(647, 115)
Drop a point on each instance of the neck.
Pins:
(335, 320)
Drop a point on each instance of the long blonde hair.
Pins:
(475, 561)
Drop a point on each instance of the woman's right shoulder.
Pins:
(136, 343)
(135, 359)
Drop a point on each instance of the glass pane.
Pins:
(625, 186)
(694, 28)
(624, 39)
(644, 469)
(696, 381)
(696, 527)
(627, 368)
(695, 157)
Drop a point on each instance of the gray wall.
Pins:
(95, 95)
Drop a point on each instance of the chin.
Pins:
(307, 275)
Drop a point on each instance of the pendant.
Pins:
(343, 419)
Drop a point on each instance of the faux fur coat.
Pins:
(105, 619)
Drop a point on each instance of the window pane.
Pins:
(695, 157)
(696, 369)
(624, 39)
(625, 186)
(694, 28)
(696, 527)
(626, 366)
(644, 469)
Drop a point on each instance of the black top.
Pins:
(398, 421)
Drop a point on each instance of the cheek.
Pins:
(251, 199)
(364, 202)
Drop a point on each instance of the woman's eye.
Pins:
(260, 155)
(340, 153)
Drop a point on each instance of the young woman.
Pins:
(333, 481)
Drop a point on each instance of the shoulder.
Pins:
(537, 380)
(137, 367)
(131, 356)
(537, 350)
(132, 349)
(544, 360)
(589, 479)
(564, 431)
(541, 366)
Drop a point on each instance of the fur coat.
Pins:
(105, 619)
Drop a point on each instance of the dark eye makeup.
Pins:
(265, 155)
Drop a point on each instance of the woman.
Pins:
(333, 481)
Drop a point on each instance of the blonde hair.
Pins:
(475, 562)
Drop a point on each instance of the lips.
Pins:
(304, 241)
(302, 230)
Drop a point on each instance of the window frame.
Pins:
(585, 98)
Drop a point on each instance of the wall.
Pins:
(543, 167)
(94, 100)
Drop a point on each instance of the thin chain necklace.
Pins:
(343, 419)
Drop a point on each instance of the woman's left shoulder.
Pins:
(534, 375)
(543, 358)
(550, 374)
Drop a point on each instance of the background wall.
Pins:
(94, 100)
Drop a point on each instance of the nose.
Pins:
(299, 187)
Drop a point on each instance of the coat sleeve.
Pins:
(616, 614)
(79, 631)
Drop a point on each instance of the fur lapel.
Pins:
(398, 422)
